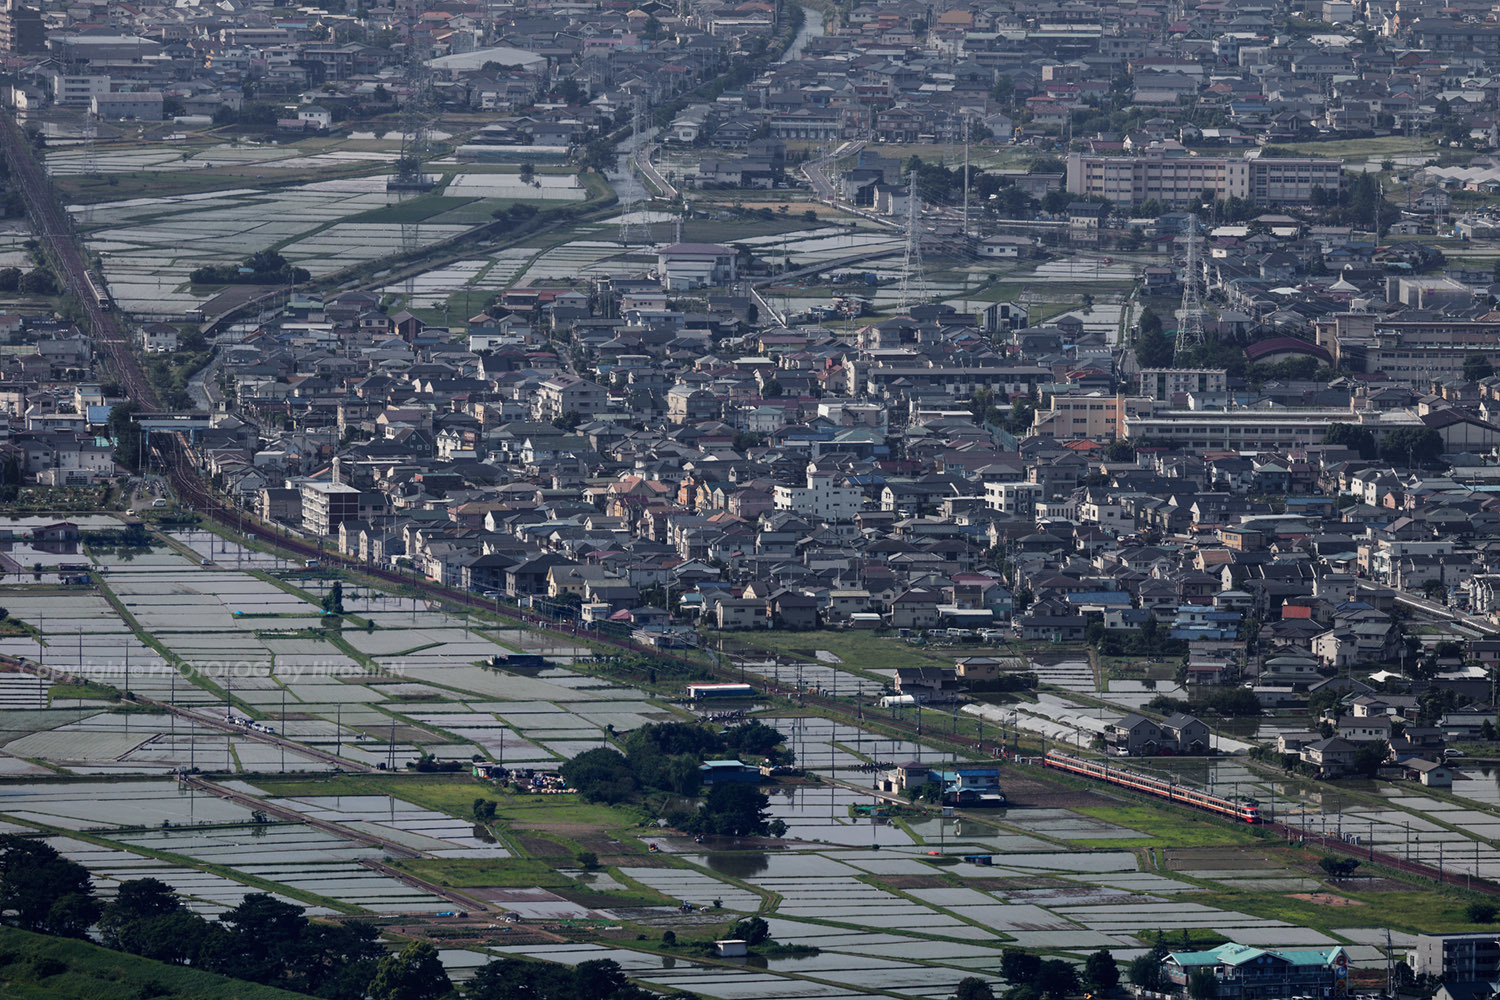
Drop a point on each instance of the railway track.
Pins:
(55, 231)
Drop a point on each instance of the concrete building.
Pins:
(695, 265)
(1464, 958)
(1408, 352)
(145, 106)
(1241, 430)
(21, 30)
(1163, 384)
(827, 496)
(562, 394)
(1019, 499)
(1180, 181)
(325, 506)
(1091, 417)
(78, 89)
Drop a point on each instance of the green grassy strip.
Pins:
(42, 967)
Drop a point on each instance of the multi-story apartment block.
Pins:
(1183, 180)
(1163, 384)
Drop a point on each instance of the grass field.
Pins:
(38, 967)
(455, 796)
(1173, 827)
(1431, 912)
(859, 650)
(413, 210)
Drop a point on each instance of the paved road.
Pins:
(645, 166)
(816, 171)
(1441, 611)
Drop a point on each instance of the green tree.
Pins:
(1120, 451)
(1477, 366)
(1352, 436)
(587, 860)
(754, 738)
(414, 974)
(1017, 966)
(599, 977)
(40, 890)
(1154, 349)
(1481, 912)
(600, 775)
(1368, 758)
(1056, 978)
(333, 601)
(138, 899)
(258, 940)
(1202, 985)
(973, 988)
(752, 931)
(734, 809)
(1101, 972)
(1338, 867)
(1145, 972)
(1412, 446)
(38, 282)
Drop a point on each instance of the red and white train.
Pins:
(1100, 771)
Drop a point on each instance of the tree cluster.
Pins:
(1035, 978)
(40, 281)
(263, 940)
(264, 267)
(664, 757)
(518, 979)
(1231, 702)
(267, 941)
(1151, 639)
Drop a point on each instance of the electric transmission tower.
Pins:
(627, 189)
(1190, 315)
(409, 175)
(911, 262)
(89, 168)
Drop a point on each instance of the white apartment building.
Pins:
(827, 496)
(325, 506)
(1164, 383)
(78, 89)
(1180, 180)
(1018, 499)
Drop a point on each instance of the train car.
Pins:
(98, 290)
(1148, 785)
